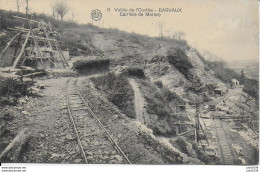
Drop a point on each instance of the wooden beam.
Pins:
(22, 50)
(20, 30)
(7, 46)
(184, 132)
(13, 150)
(40, 38)
(33, 74)
(33, 21)
(59, 50)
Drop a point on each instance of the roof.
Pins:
(218, 89)
(234, 80)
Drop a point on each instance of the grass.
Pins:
(118, 91)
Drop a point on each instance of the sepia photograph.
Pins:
(173, 82)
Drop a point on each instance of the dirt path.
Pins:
(53, 139)
(139, 102)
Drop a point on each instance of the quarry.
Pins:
(82, 94)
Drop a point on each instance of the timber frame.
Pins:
(37, 38)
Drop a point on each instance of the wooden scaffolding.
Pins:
(33, 43)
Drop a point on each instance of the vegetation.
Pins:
(159, 84)
(200, 155)
(160, 105)
(92, 66)
(134, 71)
(178, 58)
(11, 89)
(181, 145)
(226, 74)
(118, 91)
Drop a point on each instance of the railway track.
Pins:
(224, 146)
(96, 143)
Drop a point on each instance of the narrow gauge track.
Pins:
(95, 142)
(224, 146)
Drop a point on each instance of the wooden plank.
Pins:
(22, 50)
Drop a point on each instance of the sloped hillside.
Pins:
(149, 79)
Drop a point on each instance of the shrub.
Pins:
(182, 145)
(178, 58)
(118, 91)
(159, 84)
(11, 89)
(200, 155)
(134, 71)
(92, 66)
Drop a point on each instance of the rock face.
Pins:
(139, 144)
(206, 77)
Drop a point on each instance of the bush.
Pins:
(92, 66)
(11, 89)
(134, 71)
(159, 84)
(178, 58)
(118, 91)
(200, 155)
(182, 145)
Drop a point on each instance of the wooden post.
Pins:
(36, 44)
(63, 58)
(47, 39)
(22, 50)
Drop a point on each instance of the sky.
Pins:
(226, 28)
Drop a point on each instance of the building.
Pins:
(234, 83)
(218, 91)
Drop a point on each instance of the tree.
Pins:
(18, 3)
(55, 13)
(26, 6)
(61, 8)
(72, 15)
(161, 25)
(179, 35)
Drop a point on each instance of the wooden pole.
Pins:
(7, 46)
(36, 44)
(47, 38)
(22, 50)
(62, 56)
(33, 21)
(12, 151)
